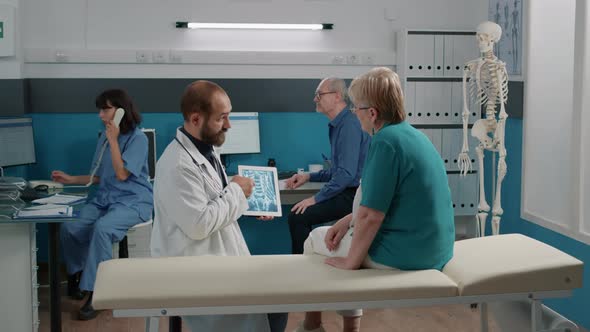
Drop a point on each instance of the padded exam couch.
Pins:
(495, 268)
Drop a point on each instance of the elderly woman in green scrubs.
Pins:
(403, 215)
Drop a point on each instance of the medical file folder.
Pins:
(63, 211)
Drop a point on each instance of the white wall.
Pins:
(555, 150)
(583, 105)
(11, 66)
(111, 31)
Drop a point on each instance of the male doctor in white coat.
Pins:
(196, 208)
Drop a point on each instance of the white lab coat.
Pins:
(195, 216)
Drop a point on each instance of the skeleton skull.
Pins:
(487, 34)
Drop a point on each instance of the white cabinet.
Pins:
(432, 103)
(421, 60)
(18, 276)
(464, 193)
(431, 67)
(435, 53)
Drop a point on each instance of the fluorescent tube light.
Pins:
(255, 26)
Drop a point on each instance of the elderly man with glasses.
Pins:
(349, 145)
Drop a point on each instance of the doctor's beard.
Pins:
(214, 138)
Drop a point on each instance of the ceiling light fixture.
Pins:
(255, 26)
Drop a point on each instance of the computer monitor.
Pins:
(244, 134)
(17, 146)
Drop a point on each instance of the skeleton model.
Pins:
(488, 86)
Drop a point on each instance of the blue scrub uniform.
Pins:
(116, 207)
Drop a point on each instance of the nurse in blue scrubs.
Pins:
(123, 199)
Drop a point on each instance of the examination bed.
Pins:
(489, 269)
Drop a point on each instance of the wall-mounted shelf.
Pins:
(171, 56)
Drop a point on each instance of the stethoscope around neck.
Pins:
(203, 168)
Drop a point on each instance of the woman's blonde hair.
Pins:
(379, 88)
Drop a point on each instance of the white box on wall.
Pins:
(7, 30)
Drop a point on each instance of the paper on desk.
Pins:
(60, 199)
(61, 211)
(44, 207)
(282, 184)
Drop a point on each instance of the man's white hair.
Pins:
(338, 85)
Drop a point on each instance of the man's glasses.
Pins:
(355, 109)
(319, 95)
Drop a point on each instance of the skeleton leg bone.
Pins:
(496, 225)
(483, 205)
(497, 208)
(481, 219)
(483, 208)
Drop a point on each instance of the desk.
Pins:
(292, 196)
(18, 257)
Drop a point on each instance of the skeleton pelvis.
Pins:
(480, 130)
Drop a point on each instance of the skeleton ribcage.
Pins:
(486, 78)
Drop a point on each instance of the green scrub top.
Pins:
(405, 178)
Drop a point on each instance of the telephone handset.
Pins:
(118, 116)
(117, 120)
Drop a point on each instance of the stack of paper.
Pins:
(10, 181)
(45, 211)
(10, 188)
(61, 199)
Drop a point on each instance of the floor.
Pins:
(455, 318)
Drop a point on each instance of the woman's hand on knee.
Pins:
(342, 263)
(334, 235)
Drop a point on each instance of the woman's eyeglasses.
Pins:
(354, 109)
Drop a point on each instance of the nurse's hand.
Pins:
(112, 131)
(247, 184)
(61, 177)
(296, 180)
(265, 218)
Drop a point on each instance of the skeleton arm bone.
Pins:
(499, 136)
(500, 131)
(464, 161)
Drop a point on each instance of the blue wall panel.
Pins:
(67, 141)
